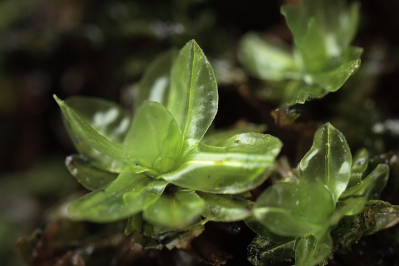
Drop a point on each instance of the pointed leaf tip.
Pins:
(91, 139)
(193, 97)
(192, 42)
(58, 100)
(329, 160)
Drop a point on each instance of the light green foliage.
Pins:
(312, 250)
(218, 137)
(328, 161)
(154, 168)
(270, 62)
(295, 209)
(322, 59)
(154, 86)
(154, 139)
(226, 208)
(322, 30)
(329, 187)
(356, 197)
(127, 195)
(96, 134)
(193, 98)
(359, 166)
(235, 167)
(176, 210)
(86, 174)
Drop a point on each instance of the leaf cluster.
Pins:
(156, 167)
(161, 171)
(322, 58)
(329, 185)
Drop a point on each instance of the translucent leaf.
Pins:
(265, 251)
(107, 117)
(96, 133)
(328, 161)
(223, 208)
(154, 86)
(295, 209)
(130, 193)
(322, 30)
(375, 181)
(359, 166)
(311, 250)
(322, 59)
(265, 60)
(193, 97)
(317, 85)
(332, 79)
(154, 139)
(87, 175)
(348, 206)
(176, 209)
(241, 164)
(355, 198)
(218, 137)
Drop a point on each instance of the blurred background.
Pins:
(101, 48)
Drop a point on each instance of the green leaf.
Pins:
(223, 208)
(96, 134)
(130, 193)
(359, 167)
(311, 250)
(298, 91)
(241, 164)
(322, 60)
(193, 97)
(265, 251)
(218, 137)
(154, 86)
(322, 30)
(295, 209)
(379, 178)
(265, 60)
(355, 198)
(374, 182)
(154, 139)
(87, 175)
(333, 78)
(317, 85)
(107, 117)
(328, 161)
(176, 209)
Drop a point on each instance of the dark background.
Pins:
(101, 48)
